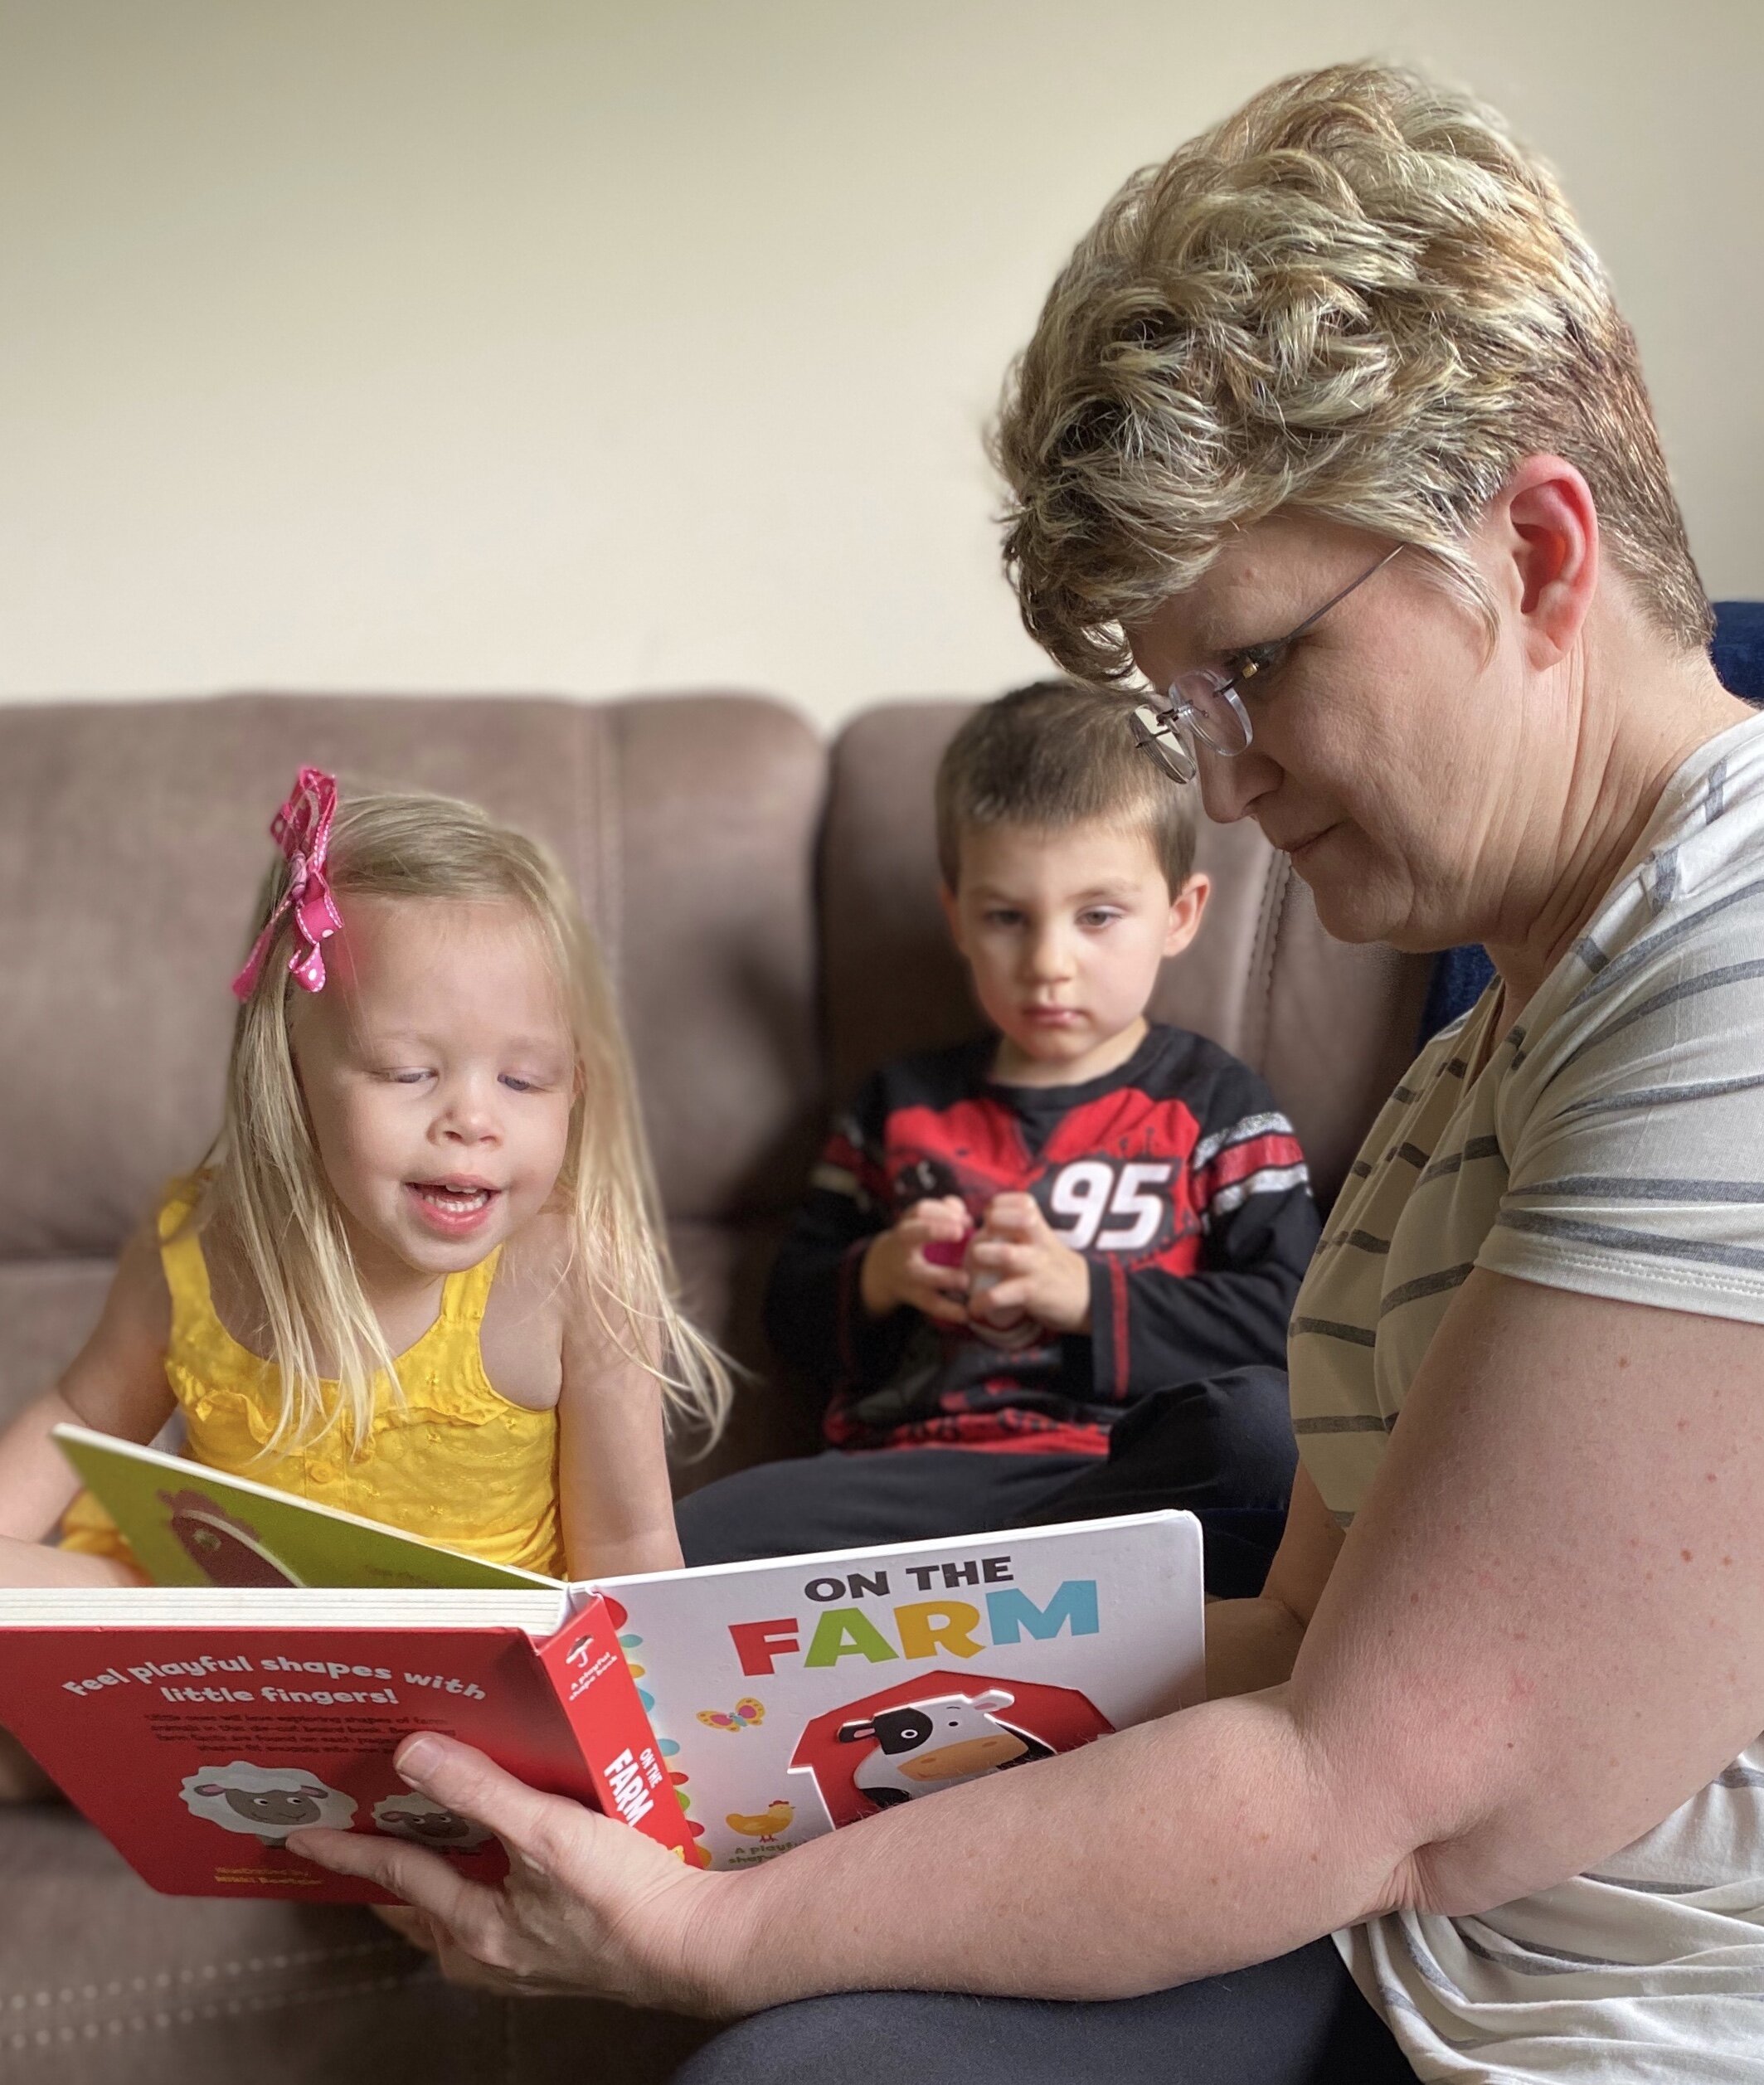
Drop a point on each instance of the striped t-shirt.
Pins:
(1612, 1142)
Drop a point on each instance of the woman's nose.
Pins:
(1230, 784)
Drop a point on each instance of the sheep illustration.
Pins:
(268, 1802)
(429, 1823)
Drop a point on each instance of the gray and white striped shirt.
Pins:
(1612, 1144)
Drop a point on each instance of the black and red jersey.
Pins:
(1174, 1175)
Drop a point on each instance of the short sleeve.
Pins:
(1631, 1117)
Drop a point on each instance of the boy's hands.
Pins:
(896, 1269)
(1037, 1273)
(1037, 1276)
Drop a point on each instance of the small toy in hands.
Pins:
(1008, 1329)
(947, 1253)
(931, 1180)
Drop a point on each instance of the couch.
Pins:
(767, 905)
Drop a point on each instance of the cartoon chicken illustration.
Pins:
(766, 1827)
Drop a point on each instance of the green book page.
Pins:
(192, 1526)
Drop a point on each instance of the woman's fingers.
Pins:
(470, 1785)
(466, 1782)
(415, 1926)
(412, 1874)
(588, 1906)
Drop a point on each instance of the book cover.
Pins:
(196, 1741)
(812, 1692)
(731, 1711)
(189, 1525)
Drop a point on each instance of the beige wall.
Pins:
(641, 343)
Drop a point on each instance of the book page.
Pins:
(791, 1697)
(189, 1525)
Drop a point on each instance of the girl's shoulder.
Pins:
(138, 1289)
(121, 1370)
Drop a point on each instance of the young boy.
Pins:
(1008, 1246)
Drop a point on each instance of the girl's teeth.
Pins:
(453, 1198)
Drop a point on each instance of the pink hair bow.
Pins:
(302, 829)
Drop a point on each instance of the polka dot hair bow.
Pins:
(302, 829)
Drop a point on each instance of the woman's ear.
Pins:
(1185, 909)
(1547, 528)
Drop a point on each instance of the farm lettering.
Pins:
(630, 1780)
(917, 1629)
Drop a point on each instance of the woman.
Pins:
(1331, 428)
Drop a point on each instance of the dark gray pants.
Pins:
(1298, 2020)
(1221, 1449)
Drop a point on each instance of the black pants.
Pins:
(1298, 2020)
(1223, 1449)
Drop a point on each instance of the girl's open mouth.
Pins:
(451, 1207)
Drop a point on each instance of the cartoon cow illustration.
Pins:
(268, 1802)
(429, 1824)
(923, 1746)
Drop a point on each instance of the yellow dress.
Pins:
(450, 1459)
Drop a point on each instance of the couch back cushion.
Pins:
(1330, 1026)
(133, 837)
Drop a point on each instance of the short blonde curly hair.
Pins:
(1358, 298)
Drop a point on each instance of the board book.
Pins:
(730, 1711)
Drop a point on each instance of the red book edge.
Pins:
(599, 1696)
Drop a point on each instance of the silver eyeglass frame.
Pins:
(1166, 727)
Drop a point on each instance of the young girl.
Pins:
(421, 1275)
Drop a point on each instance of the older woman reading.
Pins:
(1332, 442)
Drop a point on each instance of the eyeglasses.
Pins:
(1204, 703)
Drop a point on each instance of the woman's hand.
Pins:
(590, 1908)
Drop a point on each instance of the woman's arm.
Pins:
(1542, 1634)
(115, 1384)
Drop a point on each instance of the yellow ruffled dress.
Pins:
(450, 1458)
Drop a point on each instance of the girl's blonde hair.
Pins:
(266, 1188)
(1358, 297)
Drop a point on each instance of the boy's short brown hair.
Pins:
(1056, 755)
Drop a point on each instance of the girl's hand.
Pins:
(896, 1270)
(590, 1907)
(39, 1564)
(1038, 1273)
